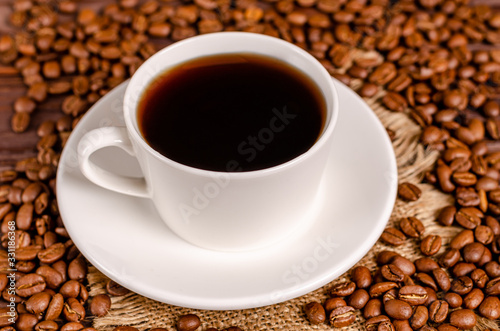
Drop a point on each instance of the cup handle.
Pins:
(105, 137)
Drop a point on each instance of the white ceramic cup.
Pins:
(229, 211)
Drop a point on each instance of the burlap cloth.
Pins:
(412, 159)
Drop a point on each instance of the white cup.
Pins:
(229, 211)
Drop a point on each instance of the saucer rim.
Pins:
(262, 300)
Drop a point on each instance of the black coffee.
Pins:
(237, 112)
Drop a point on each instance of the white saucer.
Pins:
(125, 239)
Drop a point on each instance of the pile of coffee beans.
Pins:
(419, 51)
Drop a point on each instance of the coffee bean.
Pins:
(343, 289)
(361, 276)
(490, 308)
(52, 277)
(379, 289)
(392, 273)
(116, 289)
(409, 192)
(473, 299)
(473, 252)
(372, 308)
(342, 316)
(38, 303)
(426, 280)
(412, 227)
(442, 279)
(404, 264)
(398, 309)
(393, 236)
(77, 269)
(358, 298)
(425, 264)
(20, 122)
(438, 311)
(463, 319)
(462, 239)
(493, 287)
(73, 310)
(454, 300)
(468, 217)
(55, 307)
(332, 303)
(419, 317)
(413, 294)
(430, 245)
(314, 311)
(462, 285)
(29, 285)
(100, 305)
(26, 321)
(390, 295)
(492, 269)
(52, 254)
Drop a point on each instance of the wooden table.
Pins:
(14, 147)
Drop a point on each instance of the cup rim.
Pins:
(323, 139)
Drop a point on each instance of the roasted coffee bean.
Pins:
(392, 273)
(115, 289)
(490, 308)
(479, 277)
(52, 254)
(314, 311)
(442, 279)
(492, 269)
(361, 276)
(462, 239)
(462, 285)
(462, 269)
(412, 227)
(384, 257)
(20, 122)
(484, 234)
(473, 299)
(413, 294)
(29, 285)
(404, 264)
(393, 236)
(372, 308)
(379, 289)
(73, 310)
(390, 295)
(468, 217)
(374, 323)
(77, 269)
(419, 317)
(398, 309)
(430, 245)
(426, 280)
(438, 311)
(38, 303)
(52, 277)
(454, 300)
(425, 264)
(55, 307)
(26, 321)
(343, 289)
(409, 192)
(493, 287)
(473, 252)
(342, 316)
(463, 319)
(332, 303)
(70, 289)
(358, 298)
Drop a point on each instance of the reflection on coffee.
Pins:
(233, 112)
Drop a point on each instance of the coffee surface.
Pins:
(236, 112)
